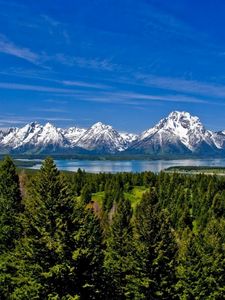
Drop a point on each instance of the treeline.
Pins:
(57, 242)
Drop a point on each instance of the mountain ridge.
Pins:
(179, 133)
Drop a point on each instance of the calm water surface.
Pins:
(97, 166)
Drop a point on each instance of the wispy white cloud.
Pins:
(167, 98)
(54, 101)
(85, 84)
(10, 48)
(52, 22)
(102, 96)
(84, 62)
(10, 121)
(42, 59)
(30, 73)
(157, 20)
(54, 119)
(183, 86)
(55, 27)
(46, 75)
(35, 88)
(50, 109)
(133, 98)
(45, 89)
(7, 121)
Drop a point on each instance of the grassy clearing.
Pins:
(134, 196)
(98, 197)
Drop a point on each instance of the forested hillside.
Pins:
(103, 236)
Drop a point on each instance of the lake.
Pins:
(97, 166)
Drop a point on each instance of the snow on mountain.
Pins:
(179, 133)
(128, 137)
(219, 139)
(6, 131)
(19, 136)
(101, 137)
(33, 135)
(48, 135)
(73, 134)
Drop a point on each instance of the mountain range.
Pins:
(178, 134)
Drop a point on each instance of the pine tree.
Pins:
(88, 254)
(61, 250)
(10, 209)
(202, 264)
(10, 204)
(86, 194)
(218, 205)
(157, 248)
(118, 256)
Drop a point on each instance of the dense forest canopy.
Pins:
(110, 236)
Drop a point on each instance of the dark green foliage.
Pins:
(86, 194)
(75, 236)
(10, 230)
(201, 268)
(113, 192)
(218, 205)
(60, 253)
(157, 246)
(10, 204)
(118, 257)
(88, 254)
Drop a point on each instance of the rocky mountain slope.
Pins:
(178, 134)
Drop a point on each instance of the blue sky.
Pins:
(126, 63)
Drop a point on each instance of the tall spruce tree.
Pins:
(201, 269)
(86, 194)
(10, 204)
(57, 258)
(118, 256)
(10, 209)
(157, 248)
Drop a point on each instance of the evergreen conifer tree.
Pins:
(118, 256)
(61, 252)
(157, 248)
(10, 230)
(10, 204)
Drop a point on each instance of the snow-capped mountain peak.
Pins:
(73, 134)
(179, 122)
(100, 126)
(33, 135)
(128, 137)
(184, 127)
(50, 135)
(178, 133)
(49, 125)
(102, 137)
(18, 136)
